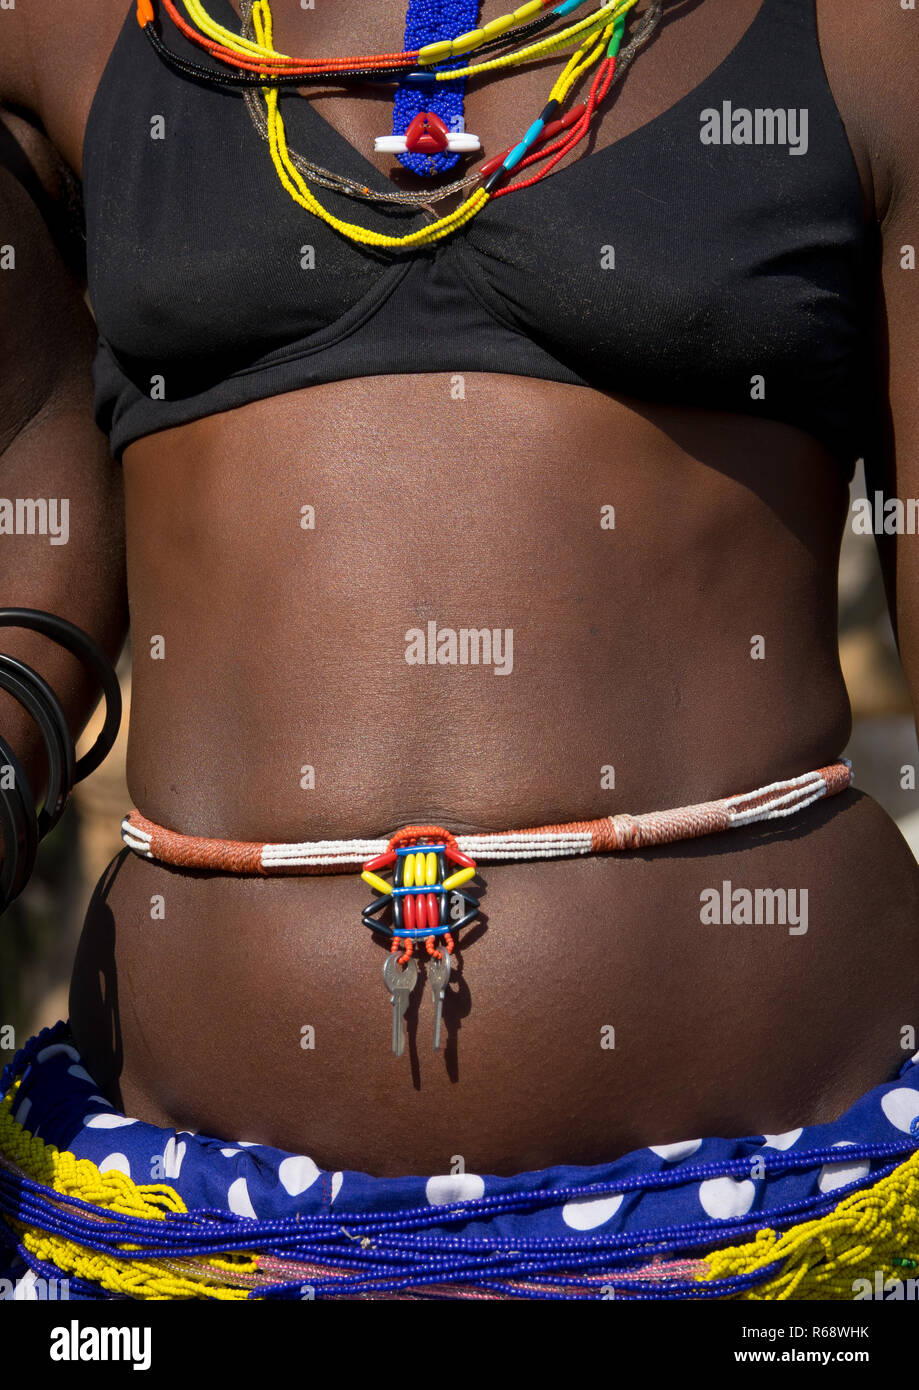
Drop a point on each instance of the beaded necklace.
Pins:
(261, 57)
(598, 43)
(423, 198)
(598, 38)
(428, 135)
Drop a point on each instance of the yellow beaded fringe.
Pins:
(864, 1234)
(112, 1191)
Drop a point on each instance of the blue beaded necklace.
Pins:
(428, 21)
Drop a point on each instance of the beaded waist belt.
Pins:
(427, 900)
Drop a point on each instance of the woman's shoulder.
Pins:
(871, 57)
(51, 57)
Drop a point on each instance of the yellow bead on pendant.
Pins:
(461, 876)
(376, 882)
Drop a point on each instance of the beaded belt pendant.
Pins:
(428, 134)
(419, 899)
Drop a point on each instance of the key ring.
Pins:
(428, 868)
(75, 640)
(37, 697)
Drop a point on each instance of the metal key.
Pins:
(400, 984)
(438, 976)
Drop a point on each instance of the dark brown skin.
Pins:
(632, 648)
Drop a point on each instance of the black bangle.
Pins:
(75, 640)
(37, 697)
(20, 828)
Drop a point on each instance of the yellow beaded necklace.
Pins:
(598, 37)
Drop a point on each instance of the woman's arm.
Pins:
(56, 475)
(876, 82)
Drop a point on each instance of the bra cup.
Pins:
(730, 276)
(705, 297)
(194, 248)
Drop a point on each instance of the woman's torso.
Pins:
(634, 648)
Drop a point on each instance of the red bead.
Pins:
(457, 857)
(491, 164)
(547, 133)
(408, 912)
(427, 134)
(381, 861)
(433, 911)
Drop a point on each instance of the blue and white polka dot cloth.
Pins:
(730, 1185)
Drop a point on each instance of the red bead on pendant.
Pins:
(427, 134)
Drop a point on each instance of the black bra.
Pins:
(728, 276)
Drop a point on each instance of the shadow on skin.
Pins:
(94, 1011)
(94, 1015)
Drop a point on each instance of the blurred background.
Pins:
(38, 936)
